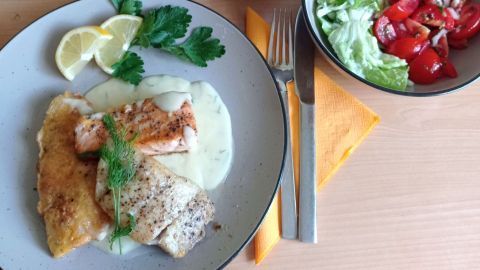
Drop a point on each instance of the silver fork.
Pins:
(282, 67)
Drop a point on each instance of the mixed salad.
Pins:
(400, 42)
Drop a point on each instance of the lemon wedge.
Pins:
(78, 47)
(124, 29)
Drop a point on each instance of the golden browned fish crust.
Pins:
(66, 185)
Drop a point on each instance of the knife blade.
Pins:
(304, 80)
(304, 61)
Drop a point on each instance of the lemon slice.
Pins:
(123, 28)
(78, 47)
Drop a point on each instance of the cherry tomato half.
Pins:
(401, 9)
(416, 29)
(434, 16)
(469, 23)
(449, 69)
(400, 29)
(384, 31)
(449, 20)
(406, 48)
(442, 47)
(426, 68)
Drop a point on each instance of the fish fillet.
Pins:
(159, 131)
(66, 185)
(189, 228)
(155, 197)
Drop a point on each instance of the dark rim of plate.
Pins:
(250, 236)
(333, 58)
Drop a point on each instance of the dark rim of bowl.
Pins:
(250, 236)
(333, 57)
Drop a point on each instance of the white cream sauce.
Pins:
(172, 101)
(81, 105)
(111, 94)
(209, 162)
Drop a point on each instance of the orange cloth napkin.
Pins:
(342, 123)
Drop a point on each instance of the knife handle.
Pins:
(288, 196)
(308, 183)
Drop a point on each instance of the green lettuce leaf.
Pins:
(393, 78)
(347, 23)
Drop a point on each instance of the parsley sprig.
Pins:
(199, 47)
(161, 28)
(131, 7)
(118, 155)
(129, 68)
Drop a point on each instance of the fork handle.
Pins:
(308, 184)
(288, 196)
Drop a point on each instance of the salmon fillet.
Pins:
(189, 228)
(159, 131)
(155, 197)
(66, 185)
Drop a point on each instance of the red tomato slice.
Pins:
(426, 68)
(416, 29)
(458, 44)
(449, 69)
(400, 29)
(433, 16)
(448, 18)
(384, 31)
(406, 48)
(401, 9)
(425, 45)
(442, 47)
(469, 23)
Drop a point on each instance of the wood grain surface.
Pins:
(408, 198)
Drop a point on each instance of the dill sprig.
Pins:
(119, 156)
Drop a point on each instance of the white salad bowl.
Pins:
(466, 61)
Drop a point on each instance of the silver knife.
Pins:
(304, 80)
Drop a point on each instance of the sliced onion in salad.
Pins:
(438, 36)
(453, 13)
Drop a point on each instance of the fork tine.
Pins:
(277, 49)
(284, 33)
(290, 40)
(270, 41)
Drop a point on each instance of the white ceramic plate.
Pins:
(29, 80)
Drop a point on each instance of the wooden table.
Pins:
(408, 198)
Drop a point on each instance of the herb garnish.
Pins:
(160, 29)
(162, 26)
(199, 47)
(118, 154)
(131, 7)
(129, 68)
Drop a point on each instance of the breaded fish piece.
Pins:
(66, 185)
(155, 197)
(159, 131)
(189, 228)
